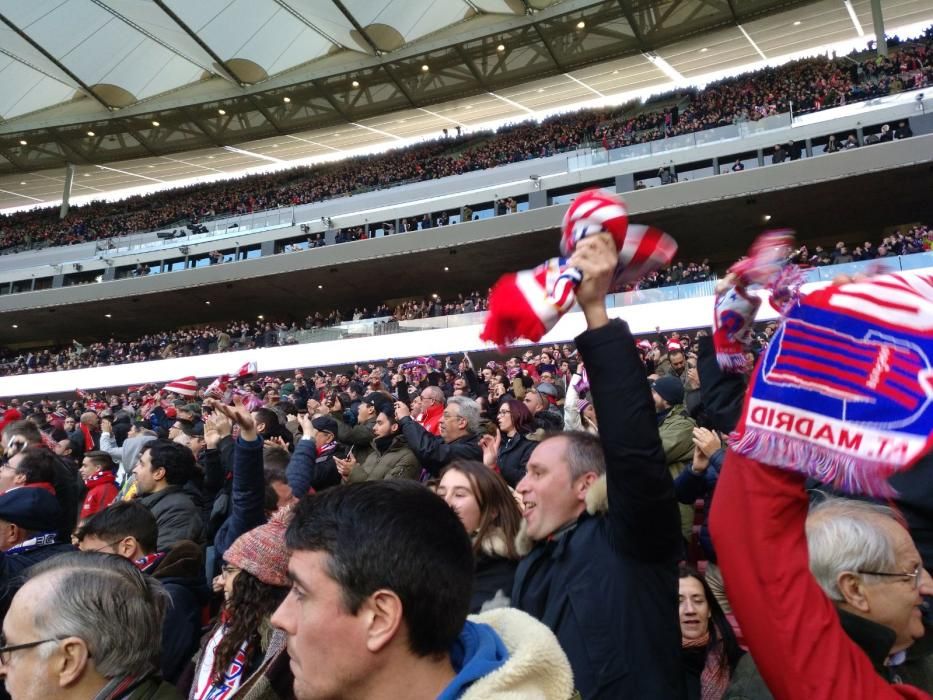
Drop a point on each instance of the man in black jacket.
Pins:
(128, 529)
(606, 583)
(459, 437)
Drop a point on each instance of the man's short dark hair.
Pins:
(267, 416)
(28, 430)
(177, 460)
(123, 519)
(37, 465)
(396, 535)
(101, 459)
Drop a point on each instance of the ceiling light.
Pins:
(767, 217)
(210, 157)
(15, 326)
(155, 123)
(221, 112)
(581, 24)
(23, 142)
(275, 145)
(87, 174)
(434, 296)
(22, 182)
(797, 23)
(469, 107)
(151, 166)
(108, 315)
(286, 100)
(446, 269)
(260, 317)
(615, 72)
(320, 286)
(336, 133)
(540, 89)
(704, 50)
(90, 133)
(425, 68)
(355, 83)
(208, 303)
(500, 48)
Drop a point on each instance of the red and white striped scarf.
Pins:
(527, 304)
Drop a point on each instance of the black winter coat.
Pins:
(513, 456)
(607, 585)
(435, 454)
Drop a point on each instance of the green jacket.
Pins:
(360, 437)
(397, 462)
(677, 441)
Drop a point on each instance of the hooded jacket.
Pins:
(101, 492)
(507, 655)
(494, 574)
(397, 462)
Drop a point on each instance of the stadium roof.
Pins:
(162, 90)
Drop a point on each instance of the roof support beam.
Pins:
(375, 49)
(253, 100)
(547, 47)
(61, 66)
(630, 18)
(468, 62)
(331, 101)
(221, 68)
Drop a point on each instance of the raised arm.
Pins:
(791, 627)
(642, 507)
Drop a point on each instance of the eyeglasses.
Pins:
(105, 546)
(5, 650)
(915, 574)
(504, 412)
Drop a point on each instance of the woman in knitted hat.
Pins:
(244, 656)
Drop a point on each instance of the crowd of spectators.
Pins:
(811, 84)
(915, 239)
(261, 333)
(315, 535)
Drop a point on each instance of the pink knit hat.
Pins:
(262, 551)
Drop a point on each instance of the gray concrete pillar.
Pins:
(66, 193)
(878, 20)
(267, 248)
(625, 183)
(537, 198)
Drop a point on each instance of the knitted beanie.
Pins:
(262, 551)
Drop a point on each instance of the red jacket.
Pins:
(101, 492)
(791, 627)
(430, 420)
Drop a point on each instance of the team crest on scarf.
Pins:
(844, 392)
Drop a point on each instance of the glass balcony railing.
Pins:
(388, 325)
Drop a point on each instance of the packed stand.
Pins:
(811, 84)
(516, 529)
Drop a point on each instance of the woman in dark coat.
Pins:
(491, 516)
(709, 649)
(513, 448)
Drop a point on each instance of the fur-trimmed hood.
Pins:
(597, 503)
(537, 667)
(494, 544)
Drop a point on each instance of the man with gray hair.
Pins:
(864, 560)
(83, 627)
(459, 438)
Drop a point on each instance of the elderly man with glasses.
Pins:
(83, 627)
(864, 560)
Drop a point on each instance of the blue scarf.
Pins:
(844, 392)
(477, 652)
